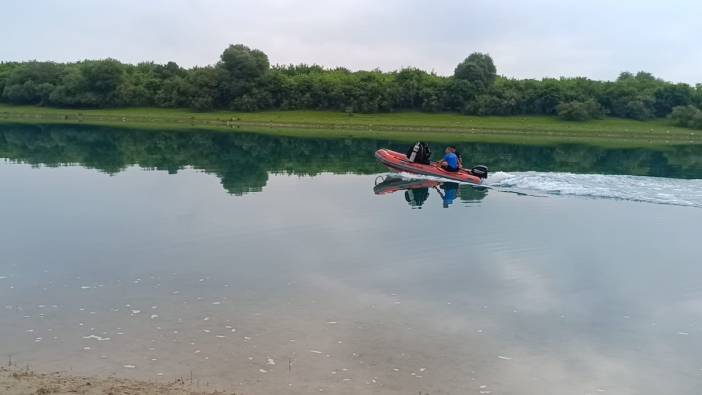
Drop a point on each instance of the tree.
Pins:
(639, 109)
(21, 93)
(456, 94)
(416, 89)
(631, 96)
(140, 85)
(203, 83)
(70, 90)
(5, 71)
(174, 92)
(90, 83)
(101, 78)
(239, 69)
(478, 69)
(668, 96)
(30, 82)
(241, 62)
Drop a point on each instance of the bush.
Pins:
(580, 110)
(687, 116)
(21, 93)
(489, 105)
(201, 103)
(639, 110)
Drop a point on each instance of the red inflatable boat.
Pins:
(399, 162)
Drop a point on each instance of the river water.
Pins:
(261, 264)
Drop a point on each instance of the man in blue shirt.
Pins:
(450, 161)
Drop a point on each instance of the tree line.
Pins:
(244, 80)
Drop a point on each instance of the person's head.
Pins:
(448, 150)
(452, 148)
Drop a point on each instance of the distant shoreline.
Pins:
(402, 126)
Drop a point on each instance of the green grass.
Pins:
(405, 126)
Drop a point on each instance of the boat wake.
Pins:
(667, 191)
(413, 176)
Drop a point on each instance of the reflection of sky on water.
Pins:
(512, 292)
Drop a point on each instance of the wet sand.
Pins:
(25, 382)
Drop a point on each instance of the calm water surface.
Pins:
(276, 265)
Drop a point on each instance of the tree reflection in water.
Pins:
(243, 161)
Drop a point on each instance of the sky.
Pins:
(527, 39)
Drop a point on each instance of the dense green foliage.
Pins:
(243, 80)
(243, 161)
(688, 116)
(580, 110)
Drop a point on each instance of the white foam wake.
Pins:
(634, 188)
(413, 176)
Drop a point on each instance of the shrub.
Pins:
(687, 116)
(201, 103)
(639, 110)
(489, 105)
(580, 110)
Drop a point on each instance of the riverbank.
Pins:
(405, 126)
(24, 382)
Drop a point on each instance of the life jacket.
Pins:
(419, 153)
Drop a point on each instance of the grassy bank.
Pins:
(401, 126)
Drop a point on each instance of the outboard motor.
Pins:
(480, 171)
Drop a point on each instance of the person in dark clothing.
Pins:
(419, 153)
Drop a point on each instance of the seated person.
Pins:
(450, 161)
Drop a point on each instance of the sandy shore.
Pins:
(24, 382)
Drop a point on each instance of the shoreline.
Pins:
(14, 381)
(411, 126)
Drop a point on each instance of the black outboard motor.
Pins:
(480, 171)
(419, 153)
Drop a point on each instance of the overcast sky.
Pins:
(527, 39)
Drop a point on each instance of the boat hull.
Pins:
(399, 162)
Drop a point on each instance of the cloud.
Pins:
(532, 39)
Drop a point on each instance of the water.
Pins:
(259, 264)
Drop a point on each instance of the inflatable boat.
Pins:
(398, 162)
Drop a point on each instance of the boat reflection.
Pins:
(417, 191)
